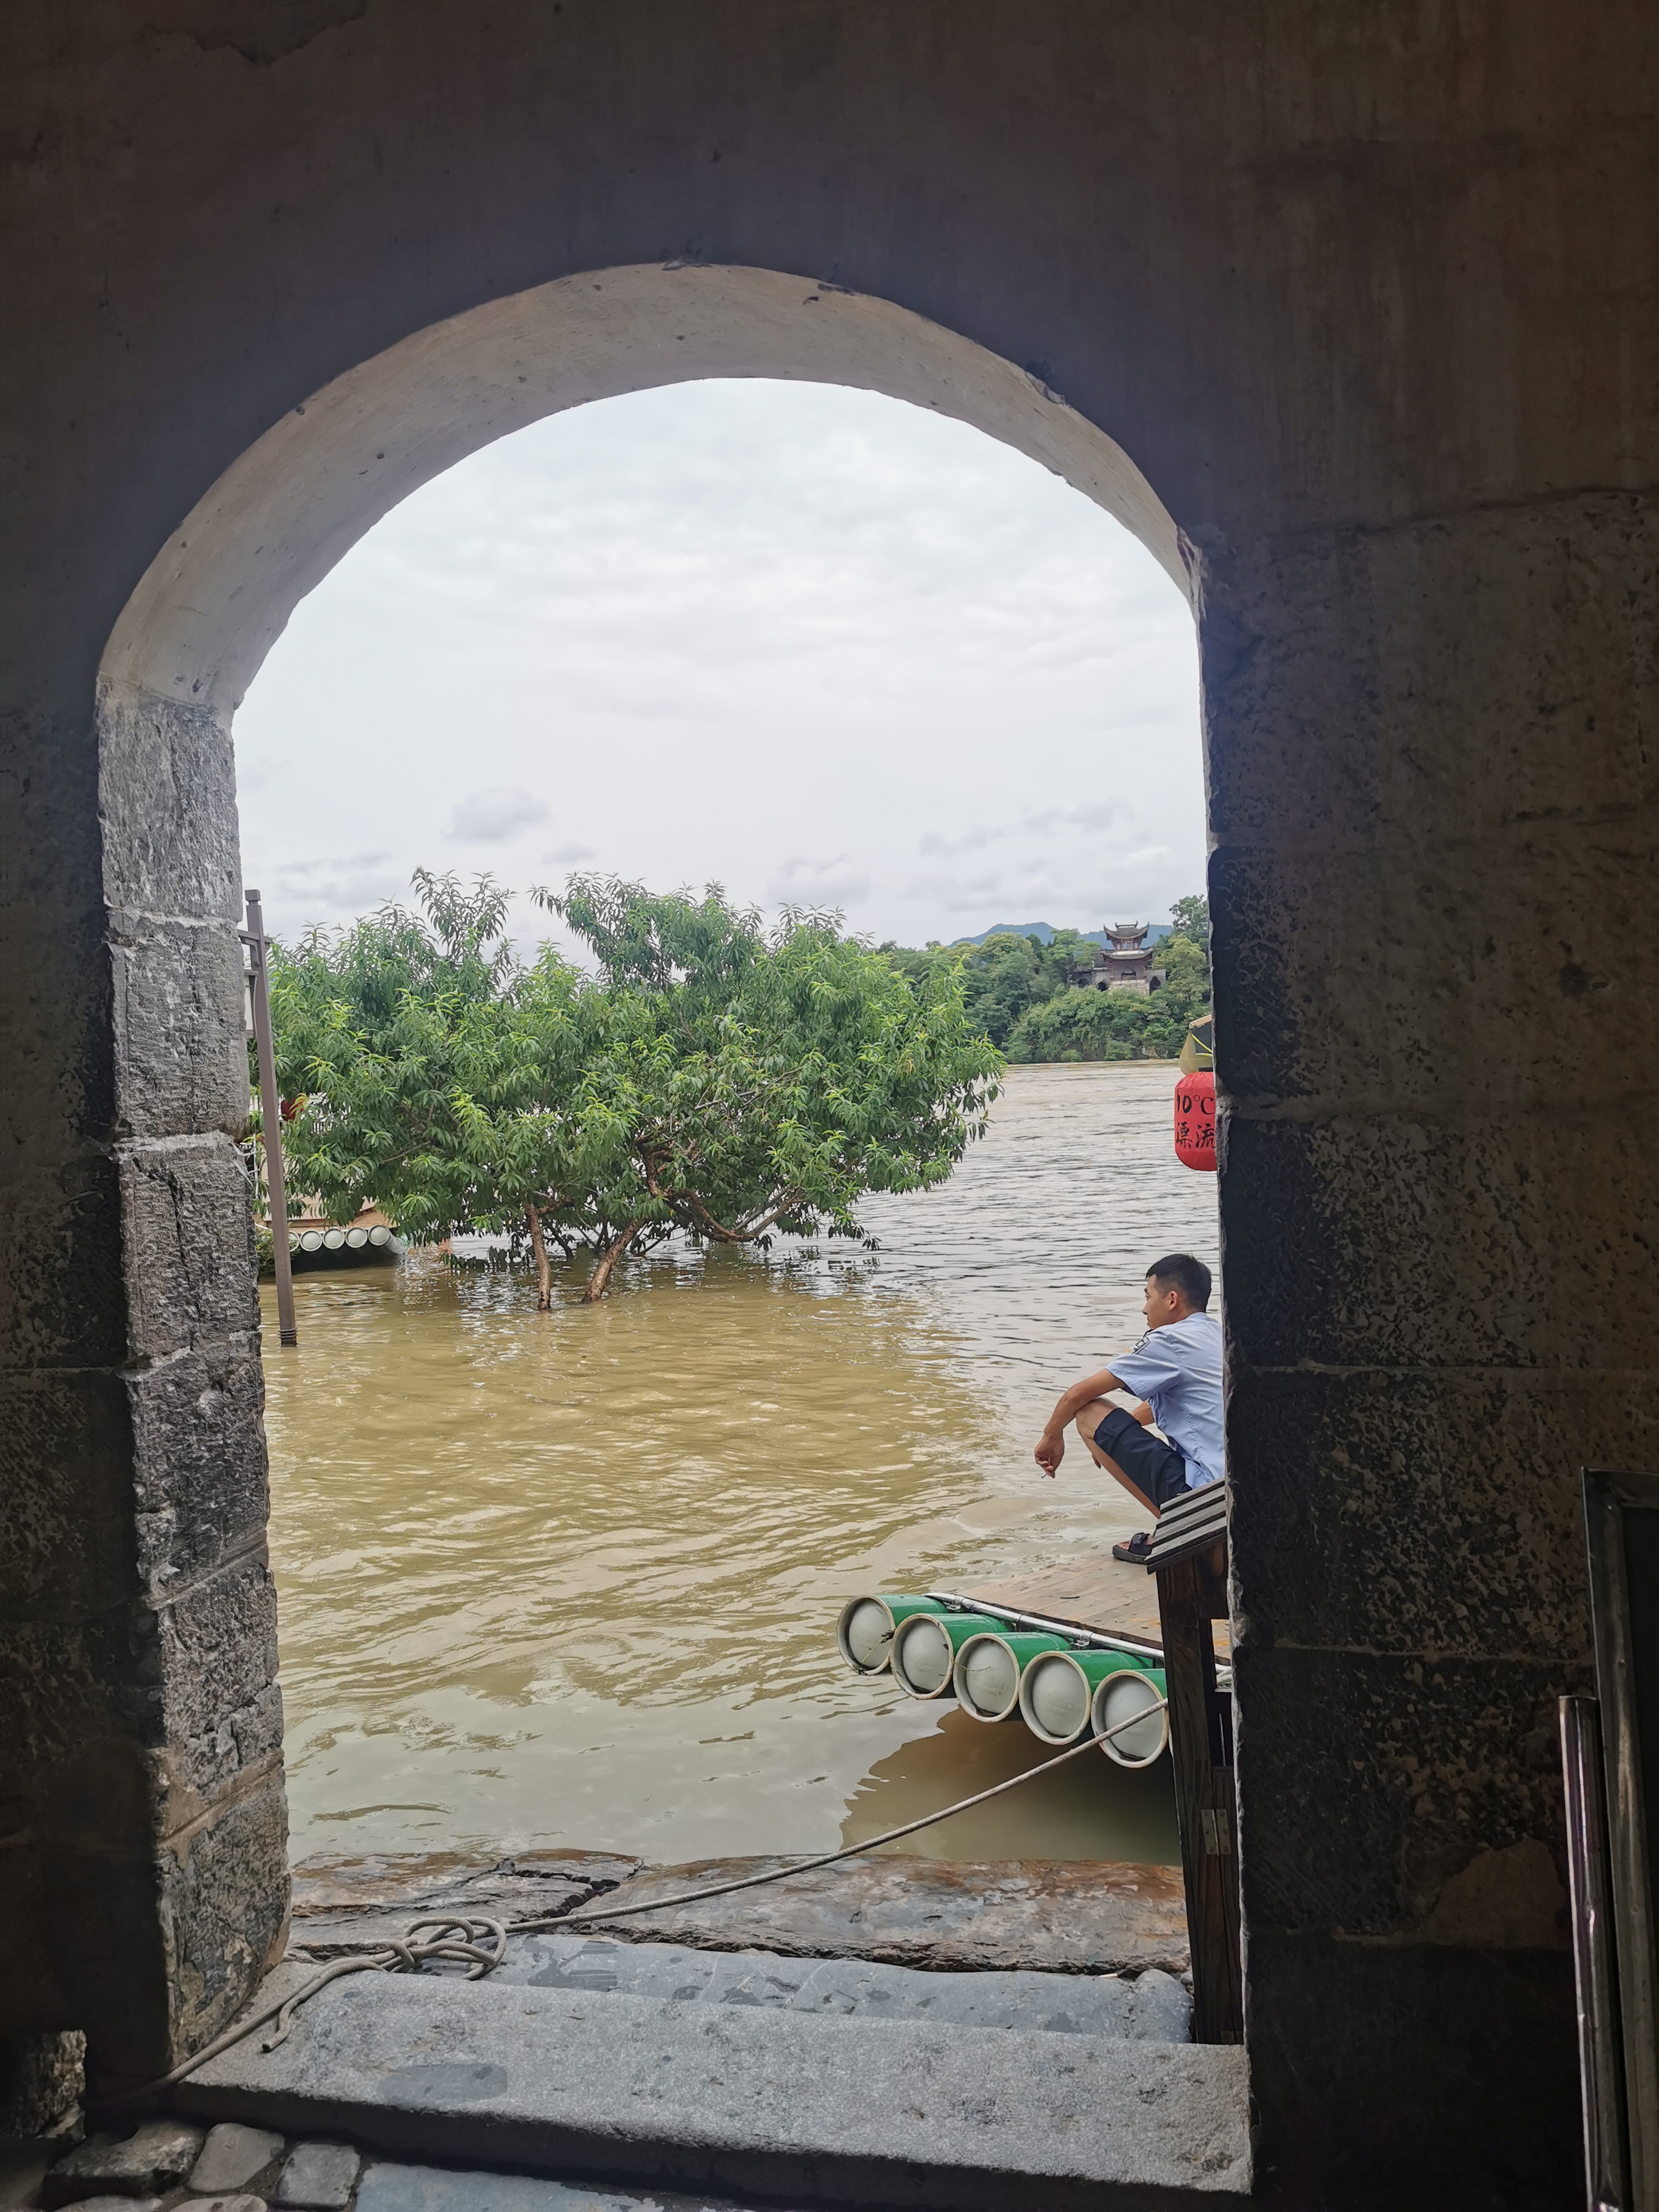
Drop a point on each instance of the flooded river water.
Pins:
(572, 1578)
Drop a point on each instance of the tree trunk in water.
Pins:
(543, 1271)
(608, 1259)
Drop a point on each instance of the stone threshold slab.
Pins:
(772, 2103)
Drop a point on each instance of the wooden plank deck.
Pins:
(1091, 1592)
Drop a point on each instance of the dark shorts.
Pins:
(1156, 1469)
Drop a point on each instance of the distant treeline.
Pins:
(1020, 991)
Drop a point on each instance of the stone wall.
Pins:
(1367, 297)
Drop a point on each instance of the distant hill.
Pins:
(1044, 933)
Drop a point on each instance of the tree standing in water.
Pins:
(712, 1078)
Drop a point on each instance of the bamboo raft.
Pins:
(1065, 1651)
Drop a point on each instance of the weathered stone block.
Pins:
(84, 1942)
(42, 2079)
(231, 2157)
(135, 1723)
(168, 802)
(1515, 641)
(1337, 993)
(64, 1694)
(201, 1487)
(223, 1909)
(1433, 1511)
(63, 1293)
(189, 1258)
(1468, 2093)
(66, 1535)
(788, 2105)
(195, 1771)
(320, 2177)
(1369, 1782)
(157, 2157)
(215, 1661)
(181, 1053)
(1361, 1241)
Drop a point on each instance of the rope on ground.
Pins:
(461, 1940)
(481, 1944)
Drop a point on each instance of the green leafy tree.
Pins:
(1004, 978)
(766, 1082)
(1021, 991)
(433, 1074)
(1124, 1025)
(712, 1077)
(1190, 918)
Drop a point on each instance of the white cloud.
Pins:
(299, 893)
(790, 638)
(490, 817)
(972, 841)
(799, 882)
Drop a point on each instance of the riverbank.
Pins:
(1037, 1915)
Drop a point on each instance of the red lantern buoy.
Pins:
(1194, 1121)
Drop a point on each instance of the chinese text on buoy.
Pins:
(1194, 1121)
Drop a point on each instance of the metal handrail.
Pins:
(1594, 1969)
(1093, 1639)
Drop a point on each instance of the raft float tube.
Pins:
(925, 1649)
(865, 1631)
(310, 1250)
(991, 1667)
(1058, 1692)
(1120, 1695)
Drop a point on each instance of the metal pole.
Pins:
(1600, 2066)
(270, 1120)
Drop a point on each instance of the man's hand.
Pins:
(1051, 1444)
(1050, 1450)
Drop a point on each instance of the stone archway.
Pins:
(187, 644)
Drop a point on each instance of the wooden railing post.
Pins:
(1192, 1592)
(270, 1116)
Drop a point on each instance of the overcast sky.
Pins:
(810, 643)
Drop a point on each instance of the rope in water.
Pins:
(480, 1944)
(588, 1912)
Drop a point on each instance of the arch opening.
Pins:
(199, 625)
(314, 1638)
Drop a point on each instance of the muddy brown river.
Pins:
(572, 1578)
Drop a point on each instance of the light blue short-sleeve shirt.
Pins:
(1177, 1370)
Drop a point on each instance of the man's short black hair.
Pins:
(1179, 1271)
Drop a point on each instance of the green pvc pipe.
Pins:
(986, 1675)
(865, 1631)
(1114, 1702)
(1057, 1695)
(925, 1649)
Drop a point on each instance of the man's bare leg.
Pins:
(1087, 1422)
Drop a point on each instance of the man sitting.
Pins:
(1175, 1371)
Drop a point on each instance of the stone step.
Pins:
(1153, 2007)
(782, 2104)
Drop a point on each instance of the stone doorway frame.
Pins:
(188, 643)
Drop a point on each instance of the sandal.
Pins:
(1134, 1552)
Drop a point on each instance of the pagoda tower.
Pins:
(1125, 962)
